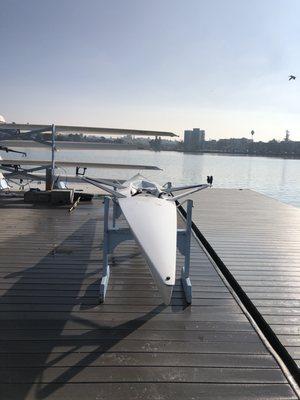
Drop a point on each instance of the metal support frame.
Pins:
(50, 170)
(113, 236)
(53, 149)
(184, 246)
(34, 134)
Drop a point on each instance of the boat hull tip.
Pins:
(153, 222)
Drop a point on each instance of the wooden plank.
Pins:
(139, 359)
(127, 345)
(176, 374)
(148, 391)
(127, 333)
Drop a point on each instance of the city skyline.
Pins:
(161, 65)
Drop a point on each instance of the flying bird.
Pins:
(292, 77)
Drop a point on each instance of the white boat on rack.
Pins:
(153, 222)
(151, 213)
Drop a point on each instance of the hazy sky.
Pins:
(171, 65)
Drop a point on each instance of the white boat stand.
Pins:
(114, 236)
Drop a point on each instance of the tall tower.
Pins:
(287, 136)
(252, 134)
(193, 140)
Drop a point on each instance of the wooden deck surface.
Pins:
(58, 343)
(258, 239)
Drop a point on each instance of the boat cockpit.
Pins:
(144, 187)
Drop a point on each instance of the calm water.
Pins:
(275, 177)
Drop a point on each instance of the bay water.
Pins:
(275, 177)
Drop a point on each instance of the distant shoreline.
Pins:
(223, 153)
(118, 146)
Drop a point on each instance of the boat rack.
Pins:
(114, 235)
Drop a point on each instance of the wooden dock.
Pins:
(58, 343)
(257, 239)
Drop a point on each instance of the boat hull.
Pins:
(153, 222)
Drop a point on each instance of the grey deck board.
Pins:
(143, 359)
(258, 239)
(148, 391)
(57, 342)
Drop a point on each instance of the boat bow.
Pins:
(153, 222)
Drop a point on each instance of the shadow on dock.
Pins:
(30, 341)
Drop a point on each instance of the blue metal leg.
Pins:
(105, 270)
(114, 212)
(111, 238)
(185, 272)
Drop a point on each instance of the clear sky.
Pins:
(219, 65)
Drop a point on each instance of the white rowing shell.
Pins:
(153, 222)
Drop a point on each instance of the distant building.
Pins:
(128, 139)
(287, 136)
(193, 140)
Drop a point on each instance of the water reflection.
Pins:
(274, 177)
